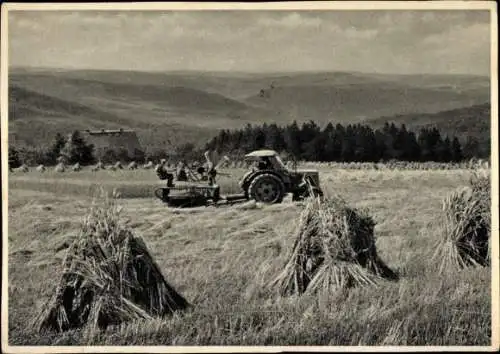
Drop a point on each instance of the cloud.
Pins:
(382, 41)
(291, 20)
(476, 34)
(462, 49)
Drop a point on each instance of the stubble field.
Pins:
(219, 259)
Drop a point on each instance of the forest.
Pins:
(351, 143)
(305, 142)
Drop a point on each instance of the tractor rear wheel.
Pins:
(267, 188)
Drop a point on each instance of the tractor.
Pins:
(267, 182)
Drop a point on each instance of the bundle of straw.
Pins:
(334, 248)
(481, 187)
(109, 277)
(466, 229)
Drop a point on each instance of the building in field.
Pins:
(117, 140)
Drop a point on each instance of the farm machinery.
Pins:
(268, 182)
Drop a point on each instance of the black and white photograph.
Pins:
(259, 176)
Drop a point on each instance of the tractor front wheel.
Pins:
(267, 188)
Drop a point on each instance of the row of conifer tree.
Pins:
(306, 142)
(351, 143)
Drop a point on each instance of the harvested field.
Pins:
(221, 261)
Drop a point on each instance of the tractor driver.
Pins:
(181, 172)
(264, 164)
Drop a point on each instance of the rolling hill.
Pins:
(358, 102)
(473, 121)
(34, 118)
(192, 106)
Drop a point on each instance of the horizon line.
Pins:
(69, 69)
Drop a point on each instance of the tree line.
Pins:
(350, 143)
(307, 142)
(68, 149)
(74, 148)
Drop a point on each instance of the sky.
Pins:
(375, 41)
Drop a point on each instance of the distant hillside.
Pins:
(473, 121)
(35, 118)
(358, 102)
(157, 103)
(192, 106)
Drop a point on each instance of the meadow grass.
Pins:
(221, 258)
